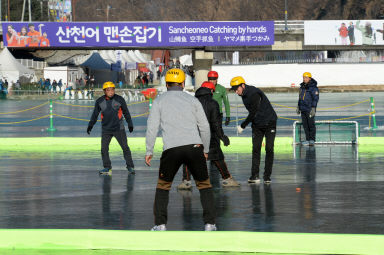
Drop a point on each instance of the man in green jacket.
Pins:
(220, 95)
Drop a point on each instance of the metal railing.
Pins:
(281, 60)
(291, 24)
(30, 63)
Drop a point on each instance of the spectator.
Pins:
(151, 77)
(145, 80)
(17, 85)
(54, 86)
(92, 81)
(47, 85)
(41, 85)
(60, 84)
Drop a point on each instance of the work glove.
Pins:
(130, 128)
(227, 120)
(240, 129)
(226, 140)
(89, 129)
(297, 110)
(313, 112)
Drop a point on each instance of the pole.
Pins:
(150, 103)
(286, 15)
(9, 12)
(51, 128)
(1, 18)
(374, 126)
(73, 10)
(41, 10)
(22, 13)
(108, 7)
(29, 10)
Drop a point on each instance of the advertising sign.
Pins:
(344, 32)
(60, 10)
(138, 34)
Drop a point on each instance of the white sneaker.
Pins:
(230, 182)
(185, 185)
(210, 227)
(159, 228)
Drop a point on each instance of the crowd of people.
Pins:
(143, 79)
(57, 87)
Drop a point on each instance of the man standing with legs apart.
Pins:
(186, 136)
(308, 99)
(263, 118)
(112, 108)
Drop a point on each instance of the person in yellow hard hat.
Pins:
(306, 106)
(263, 118)
(112, 108)
(186, 137)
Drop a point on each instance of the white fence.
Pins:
(30, 63)
(284, 75)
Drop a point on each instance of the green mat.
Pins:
(172, 242)
(137, 144)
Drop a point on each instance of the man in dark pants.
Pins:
(112, 108)
(263, 118)
(308, 99)
(211, 108)
(186, 135)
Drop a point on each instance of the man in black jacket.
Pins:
(263, 118)
(211, 108)
(112, 108)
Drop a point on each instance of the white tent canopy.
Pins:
(11, 69)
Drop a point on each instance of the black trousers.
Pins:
(220, 164)
(309, 126)
(121, 138)
(171, 160)
(258, 133)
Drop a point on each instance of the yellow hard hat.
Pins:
(307, 74)
(236, 81)
(108, 84)
(175, 75)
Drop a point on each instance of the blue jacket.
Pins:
(309, 96)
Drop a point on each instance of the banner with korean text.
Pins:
(137, 34)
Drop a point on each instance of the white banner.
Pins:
(130, 66)
(344, 32)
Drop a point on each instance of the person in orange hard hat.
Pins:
(112, 108)
(306, 106)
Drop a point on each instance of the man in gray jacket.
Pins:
(186, 136)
